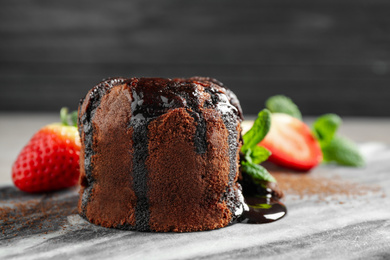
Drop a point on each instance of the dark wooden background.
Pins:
(328, 55)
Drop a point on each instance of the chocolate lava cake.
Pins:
(160, 154)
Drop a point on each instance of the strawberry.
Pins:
(291, 143)
(50, 160)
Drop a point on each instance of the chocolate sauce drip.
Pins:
(262, 210)
(155, 96)
(220, 101)
(140, 173)
(230, 121)
(151, 99)
(200, 132)
(233, 100)
(86, 122)
(262, 202)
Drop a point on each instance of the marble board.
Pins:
(343, 213)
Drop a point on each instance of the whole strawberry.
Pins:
(50, 160)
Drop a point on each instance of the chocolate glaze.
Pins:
(233, 100)
(155, 96)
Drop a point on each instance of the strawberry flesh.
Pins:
(292, 144)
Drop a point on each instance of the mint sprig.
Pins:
(258, 131)
(257, 172)
(283, 104)
(258, 154)
(343, 151)
(334, 147)
(254, 154)
(325, 127)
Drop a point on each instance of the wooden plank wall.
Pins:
(328, 55)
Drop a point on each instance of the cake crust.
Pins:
(160, 154)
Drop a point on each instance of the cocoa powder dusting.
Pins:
(307, 185)
(43, 214)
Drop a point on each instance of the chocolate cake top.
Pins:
(153, 97)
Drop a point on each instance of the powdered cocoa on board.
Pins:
(322, 188)
(41, 215)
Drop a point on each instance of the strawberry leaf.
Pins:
(74, 117)
(68, 119)
(64, 115)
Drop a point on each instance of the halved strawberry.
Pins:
(50, 160)
(292, 143)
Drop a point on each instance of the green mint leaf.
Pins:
(248, 155)
(258, 131)
(325, 127)
(259, 154)
(257, 172)
(343, 151)
(283, 104)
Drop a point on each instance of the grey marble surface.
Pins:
(340, 226)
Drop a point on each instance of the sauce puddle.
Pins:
(262, 209)
(261, 202)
